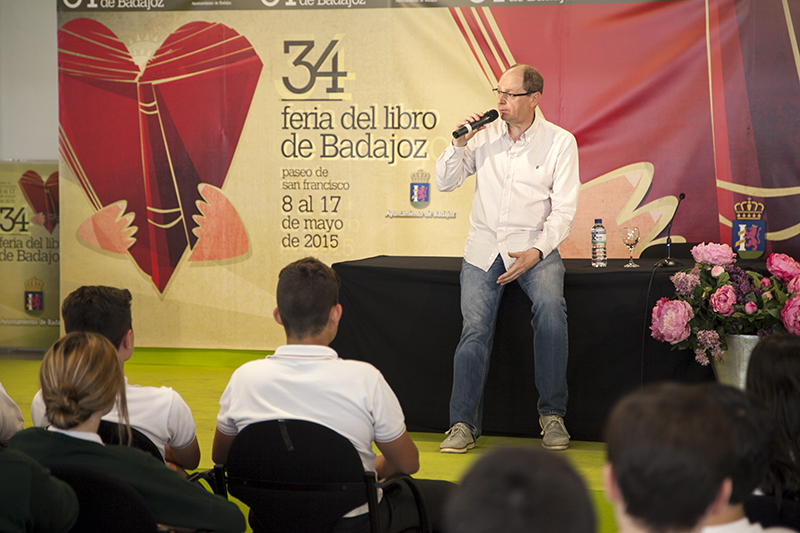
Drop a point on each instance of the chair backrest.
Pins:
(679, 250)
(105, 503)
(109, 433)
(766, 511)
(298, 476)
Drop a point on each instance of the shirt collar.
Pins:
(309, 351)
(534, 127)
(528, 134)
(82, 435)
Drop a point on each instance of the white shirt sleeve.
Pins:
(453, 167)
(389, 418)
(563, 199)
(38, 411)
(225, 423)
(10, 417)
(180, 423)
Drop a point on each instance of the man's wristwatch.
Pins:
(541, 255)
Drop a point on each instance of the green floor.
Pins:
(201, 387)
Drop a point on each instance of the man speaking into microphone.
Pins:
(526, 194)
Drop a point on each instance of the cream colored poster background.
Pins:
(391, 69)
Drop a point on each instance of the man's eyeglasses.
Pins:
(497, 92)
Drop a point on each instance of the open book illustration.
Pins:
(152, 147)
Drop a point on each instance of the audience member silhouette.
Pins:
(520, 490)
(752, 432)
(670, 456)
(31, 500)
(773, 376)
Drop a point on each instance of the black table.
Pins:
(402, 314)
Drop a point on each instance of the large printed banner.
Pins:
(207, 143)
(29, 255)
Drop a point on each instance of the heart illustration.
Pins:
(42, 196)
(151, 138)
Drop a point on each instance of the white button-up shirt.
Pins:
(526, 192)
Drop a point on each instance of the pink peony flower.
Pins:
(790, 315)
(767, 296)
(670, 320)
(794, 285)
(750, 308)
(766, 282)
(716, 254)
(783, 267)
(723, 299)
(717, 271)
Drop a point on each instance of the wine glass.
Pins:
(630, 236)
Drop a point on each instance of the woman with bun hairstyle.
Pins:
(81, 379)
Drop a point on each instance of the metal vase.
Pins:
(733, 368)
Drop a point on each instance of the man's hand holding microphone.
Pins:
(471, 124)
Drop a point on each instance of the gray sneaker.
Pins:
(555, 433)
(459, 439)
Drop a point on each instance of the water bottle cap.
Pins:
(598, 221)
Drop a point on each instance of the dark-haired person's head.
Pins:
(670, 456)
(773, 376)
(307, 294)
(752, 431)
(99, 309)
(518, 490)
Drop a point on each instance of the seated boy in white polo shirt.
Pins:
(158, 412)
(305, 379)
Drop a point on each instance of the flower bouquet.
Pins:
(716, 298)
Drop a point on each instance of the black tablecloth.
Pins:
(402, 314)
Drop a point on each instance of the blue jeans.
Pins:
(480, 301)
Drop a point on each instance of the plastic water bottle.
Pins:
(599, 244)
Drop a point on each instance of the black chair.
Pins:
(105, 503)
(109, 434)
(214, 479)
(680, 250)
(298, 476)
(766, 511)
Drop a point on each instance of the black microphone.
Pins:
(487, 117)
(669, 261)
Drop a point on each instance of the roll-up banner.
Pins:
(29, 255)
